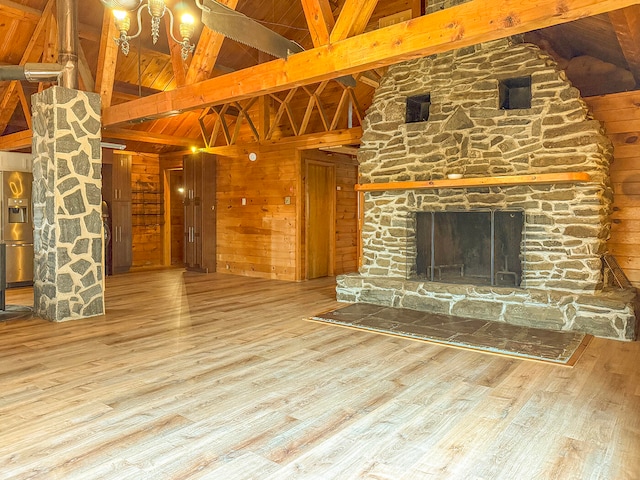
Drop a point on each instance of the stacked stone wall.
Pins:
(67, 199)
(566, 225)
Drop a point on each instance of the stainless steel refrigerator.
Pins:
(17, 227)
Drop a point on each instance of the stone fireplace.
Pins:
(518, 232)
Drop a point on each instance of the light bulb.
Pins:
(186, 28)
(120, 14)
(123, 22)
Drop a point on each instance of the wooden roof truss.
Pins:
(221, 124)
(343, 43)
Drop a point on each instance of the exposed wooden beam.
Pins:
(264, 116)
(84, 71)
(133, 90)
(50, 48)
(179, 68)
(10, 101)
(350, 136)
(21, 12)
(368, 78)
(353, 19)
(148, 137)
(25, 103)
(206, 52)
(319, 20)
(33, 15)
(460, 26)
(20, 140)
(626, 23)
(107, 59)
(16, 141)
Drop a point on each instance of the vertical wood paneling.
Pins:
(264, 237)
(620, 115)
(258, 238)
(176, 182)
(147, 210)
(346, 256)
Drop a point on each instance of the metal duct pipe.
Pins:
(67, 16)
(31, 72)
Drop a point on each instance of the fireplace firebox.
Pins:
(480, 247)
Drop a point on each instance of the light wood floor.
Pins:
(194, 376)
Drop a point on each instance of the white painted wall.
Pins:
(13, 161)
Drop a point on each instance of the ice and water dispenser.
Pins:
(16, 220)
(18, 210)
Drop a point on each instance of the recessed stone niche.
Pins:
(565, 225)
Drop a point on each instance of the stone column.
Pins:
(67, 200)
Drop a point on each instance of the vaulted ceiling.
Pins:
(153, 101)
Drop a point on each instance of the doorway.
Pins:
(320, 206)
(176, 216)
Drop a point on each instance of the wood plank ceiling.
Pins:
(600, 52)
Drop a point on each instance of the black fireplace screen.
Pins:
(475, 247)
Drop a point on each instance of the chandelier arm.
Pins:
(171, 26)
(202, 7)
(139, 17)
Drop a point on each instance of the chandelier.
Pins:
(122, 9)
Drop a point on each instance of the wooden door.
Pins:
(176, 216)
(122, 177)
(121, 242)
(196, 205)
(189, 197)
(121, 228)
(199, 173)
(320, 219)
(208, 214)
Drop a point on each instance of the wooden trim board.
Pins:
(502, 181)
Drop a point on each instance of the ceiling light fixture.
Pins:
(122, 9)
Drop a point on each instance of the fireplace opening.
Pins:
(472, 247)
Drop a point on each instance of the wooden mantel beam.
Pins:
(467, 24)
(472, 182)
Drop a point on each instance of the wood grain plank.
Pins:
(542, 178)
(107, 59)
(216, 376)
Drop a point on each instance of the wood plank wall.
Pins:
(258, 239)
(264, 237)
(346, 256)
(147, 210)
(620, 113)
